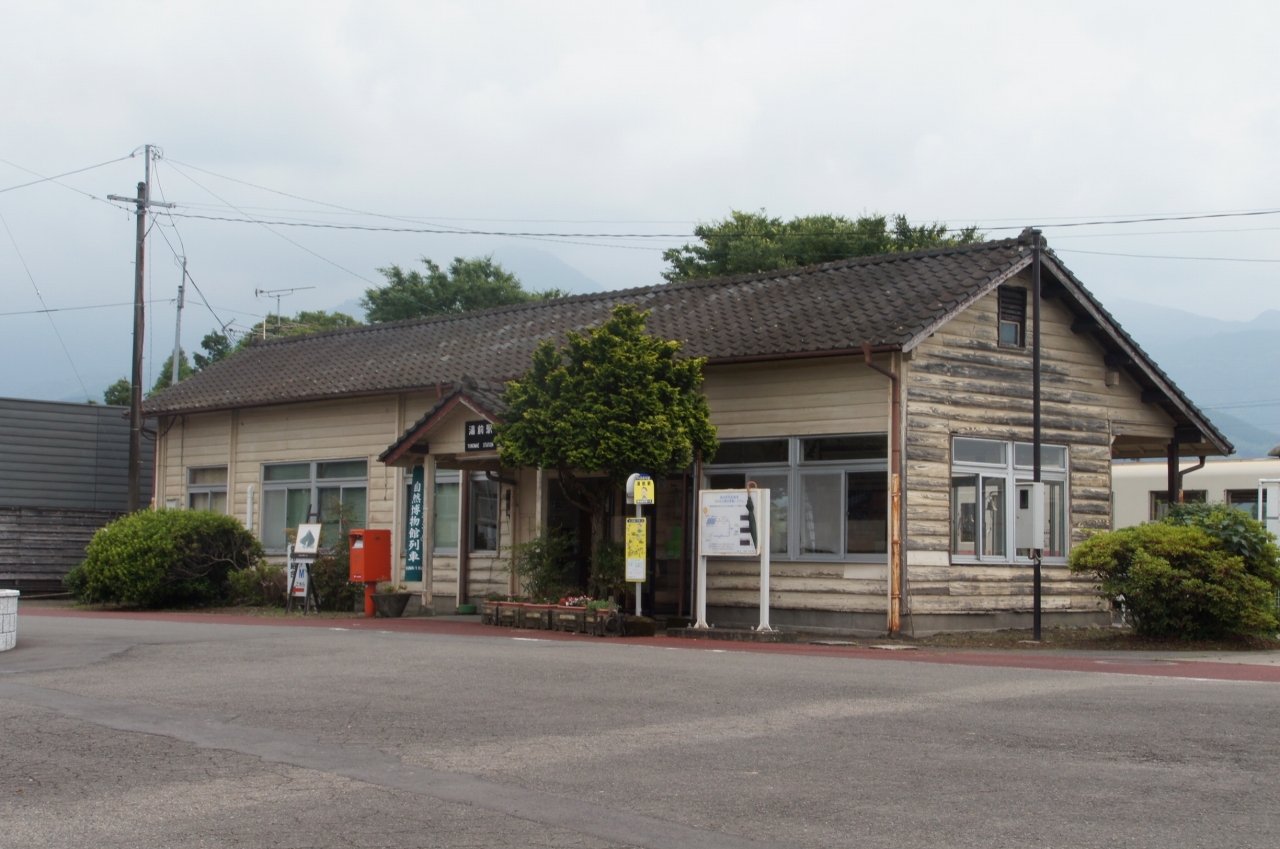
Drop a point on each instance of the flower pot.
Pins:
(536, 616)
(489, 613)
(508, 613)
(390, 605)
(572, 620)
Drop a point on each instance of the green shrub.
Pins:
(162, 558)
(542, 564)
(1178, 579)
(331, 577)
(259, 586)
(608, 569)
(1240, 534)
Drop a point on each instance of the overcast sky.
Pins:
(609, 118)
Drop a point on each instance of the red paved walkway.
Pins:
(1104, 661)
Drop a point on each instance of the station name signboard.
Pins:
(479, 436)
(726, 524)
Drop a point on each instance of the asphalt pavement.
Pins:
(154, 731)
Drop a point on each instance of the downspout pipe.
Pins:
(895, 491)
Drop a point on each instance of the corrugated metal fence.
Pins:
(63, 474)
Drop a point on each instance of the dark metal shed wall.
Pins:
(67, 456)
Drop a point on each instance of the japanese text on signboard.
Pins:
(479, 436)
(413, 540)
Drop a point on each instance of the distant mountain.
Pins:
(538, 270)
(1230, 369)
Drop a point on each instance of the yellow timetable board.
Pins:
(637, 537)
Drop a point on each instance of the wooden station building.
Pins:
(837, 386)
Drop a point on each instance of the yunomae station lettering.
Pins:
(884, 402)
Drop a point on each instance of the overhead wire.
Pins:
(273, 232)
(40, 296)
(56, 177)
(1161, 256)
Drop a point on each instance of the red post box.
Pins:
(370, 561)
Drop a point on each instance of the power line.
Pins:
(273, 232)
(58, 176)
(1161, 256)
(52, 323)
(85, 307)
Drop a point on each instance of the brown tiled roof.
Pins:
(837, 306)
(891, 302)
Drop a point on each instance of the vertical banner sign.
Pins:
(413, 533)
(636, 539)
(301, 579)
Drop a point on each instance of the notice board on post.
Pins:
(727, 524)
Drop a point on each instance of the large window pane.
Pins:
(778, 502)
(444, 522)
(330, 469)
(751, 452)
(287, 472)
(866, 512)
(1051, 456)
(282, 509)
(1055, 519)
(820, 519)
(994, 507)
(731, 480)
(198, 501)
(964, 514)
(979, 451)
(354, 504)
(214, 475)
(484, 515)
(859, 446)
(218, 501)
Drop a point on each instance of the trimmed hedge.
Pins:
(164, 558)
(1203, 572)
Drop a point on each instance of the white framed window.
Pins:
(207, 488)
(483, 515)
(444, 515)
(838, 486)
(984, 478)
(335, 489)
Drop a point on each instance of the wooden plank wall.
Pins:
(960, 382)
(39, 545)
(798, 398)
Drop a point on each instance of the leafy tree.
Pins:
(614, 401)
(750, 242)
(165, 379)
(216, 347)
(468, 285)
(118, 394)
(306, 321)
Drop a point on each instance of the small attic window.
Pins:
(1013, 316)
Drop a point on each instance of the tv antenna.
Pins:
(277, 294)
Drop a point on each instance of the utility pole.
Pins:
(177, 332)
(142, 201)
(1037, 554)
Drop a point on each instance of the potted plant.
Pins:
(570, 614)
(390, 600)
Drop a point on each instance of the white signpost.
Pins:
(301, 554)
(733, 523)
(640, 489)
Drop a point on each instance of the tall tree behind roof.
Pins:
(469, 284)
(750, 242)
